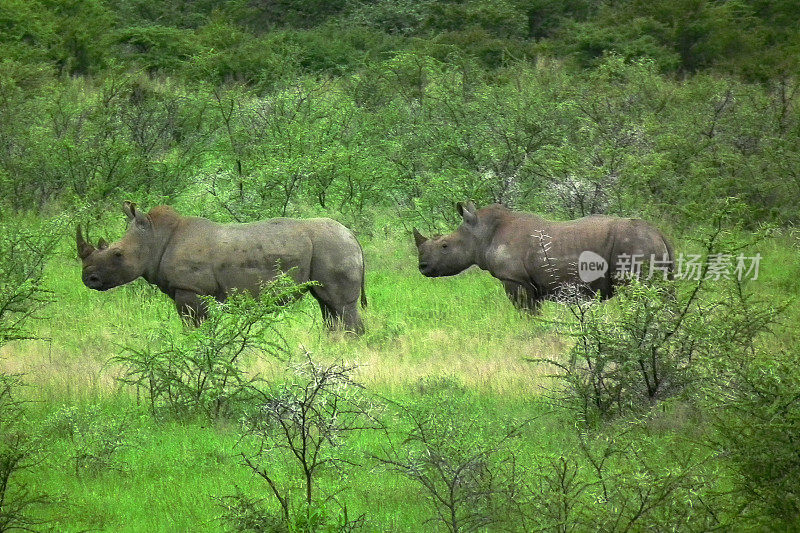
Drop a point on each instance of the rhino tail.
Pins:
(363, 277)
(363, 294)
(670, 254)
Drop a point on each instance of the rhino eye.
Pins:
(117, 253)
(444, 245)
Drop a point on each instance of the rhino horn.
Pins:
(102, 244)
(419, 238)
(84, 248)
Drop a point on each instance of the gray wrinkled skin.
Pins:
(189, 256)
(534, 257)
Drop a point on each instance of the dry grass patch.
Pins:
(52, 372)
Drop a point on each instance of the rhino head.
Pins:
(450, 254)
(109, 265)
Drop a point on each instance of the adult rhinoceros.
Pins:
(534, 257)
(187, 257)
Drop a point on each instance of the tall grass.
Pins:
(461, 326)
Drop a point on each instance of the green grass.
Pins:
(170, 475)
(416, 327)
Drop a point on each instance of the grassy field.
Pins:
(456, 338)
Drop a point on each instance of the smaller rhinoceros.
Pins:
(187, 257)
(534, 257)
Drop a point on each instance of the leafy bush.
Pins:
(298, 147)
(159, 49)
(26, 31)
(756, 415)
(654, 343)
(19, 451)
(466, 468)
(227, 55)
(336, 48)
(25, 249)
(464, 139)
(96, 436)
(305, 423)
(22, 295)
(83, 29)
(263, 16)
(201, 371)
(624, 481)
(626, 362)
(404, 17)
(93, 143)
(177, 13)
(590, 42)
(498, 18)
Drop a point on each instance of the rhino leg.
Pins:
(190, 307)
(523, 298)
(338, 311)
(328, 315)
(352, 319)
(338, 267)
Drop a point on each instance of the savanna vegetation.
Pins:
(673, 406)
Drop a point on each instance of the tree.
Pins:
(305, 422)
(22, 296)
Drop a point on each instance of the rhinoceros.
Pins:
(187, 257)
(534, 257)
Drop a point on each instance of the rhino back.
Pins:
(553, 260)
(635, 237)
(335, 246)
(594, 233)
(554, 248)
(209, 258)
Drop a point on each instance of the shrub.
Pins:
(656, 339)
(755, 411)
(466, 468)
(19, 451)
(226, 55)
(244, 513)
(95, 435)
(298, 147)
(304, 423)
(22, 296)
(621, 480)
(201, 371)
(159, 49)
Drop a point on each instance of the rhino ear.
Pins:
(84, 248)
(467, 212)
(130, 210)
(419, 238)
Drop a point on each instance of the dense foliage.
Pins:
(277, 107)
